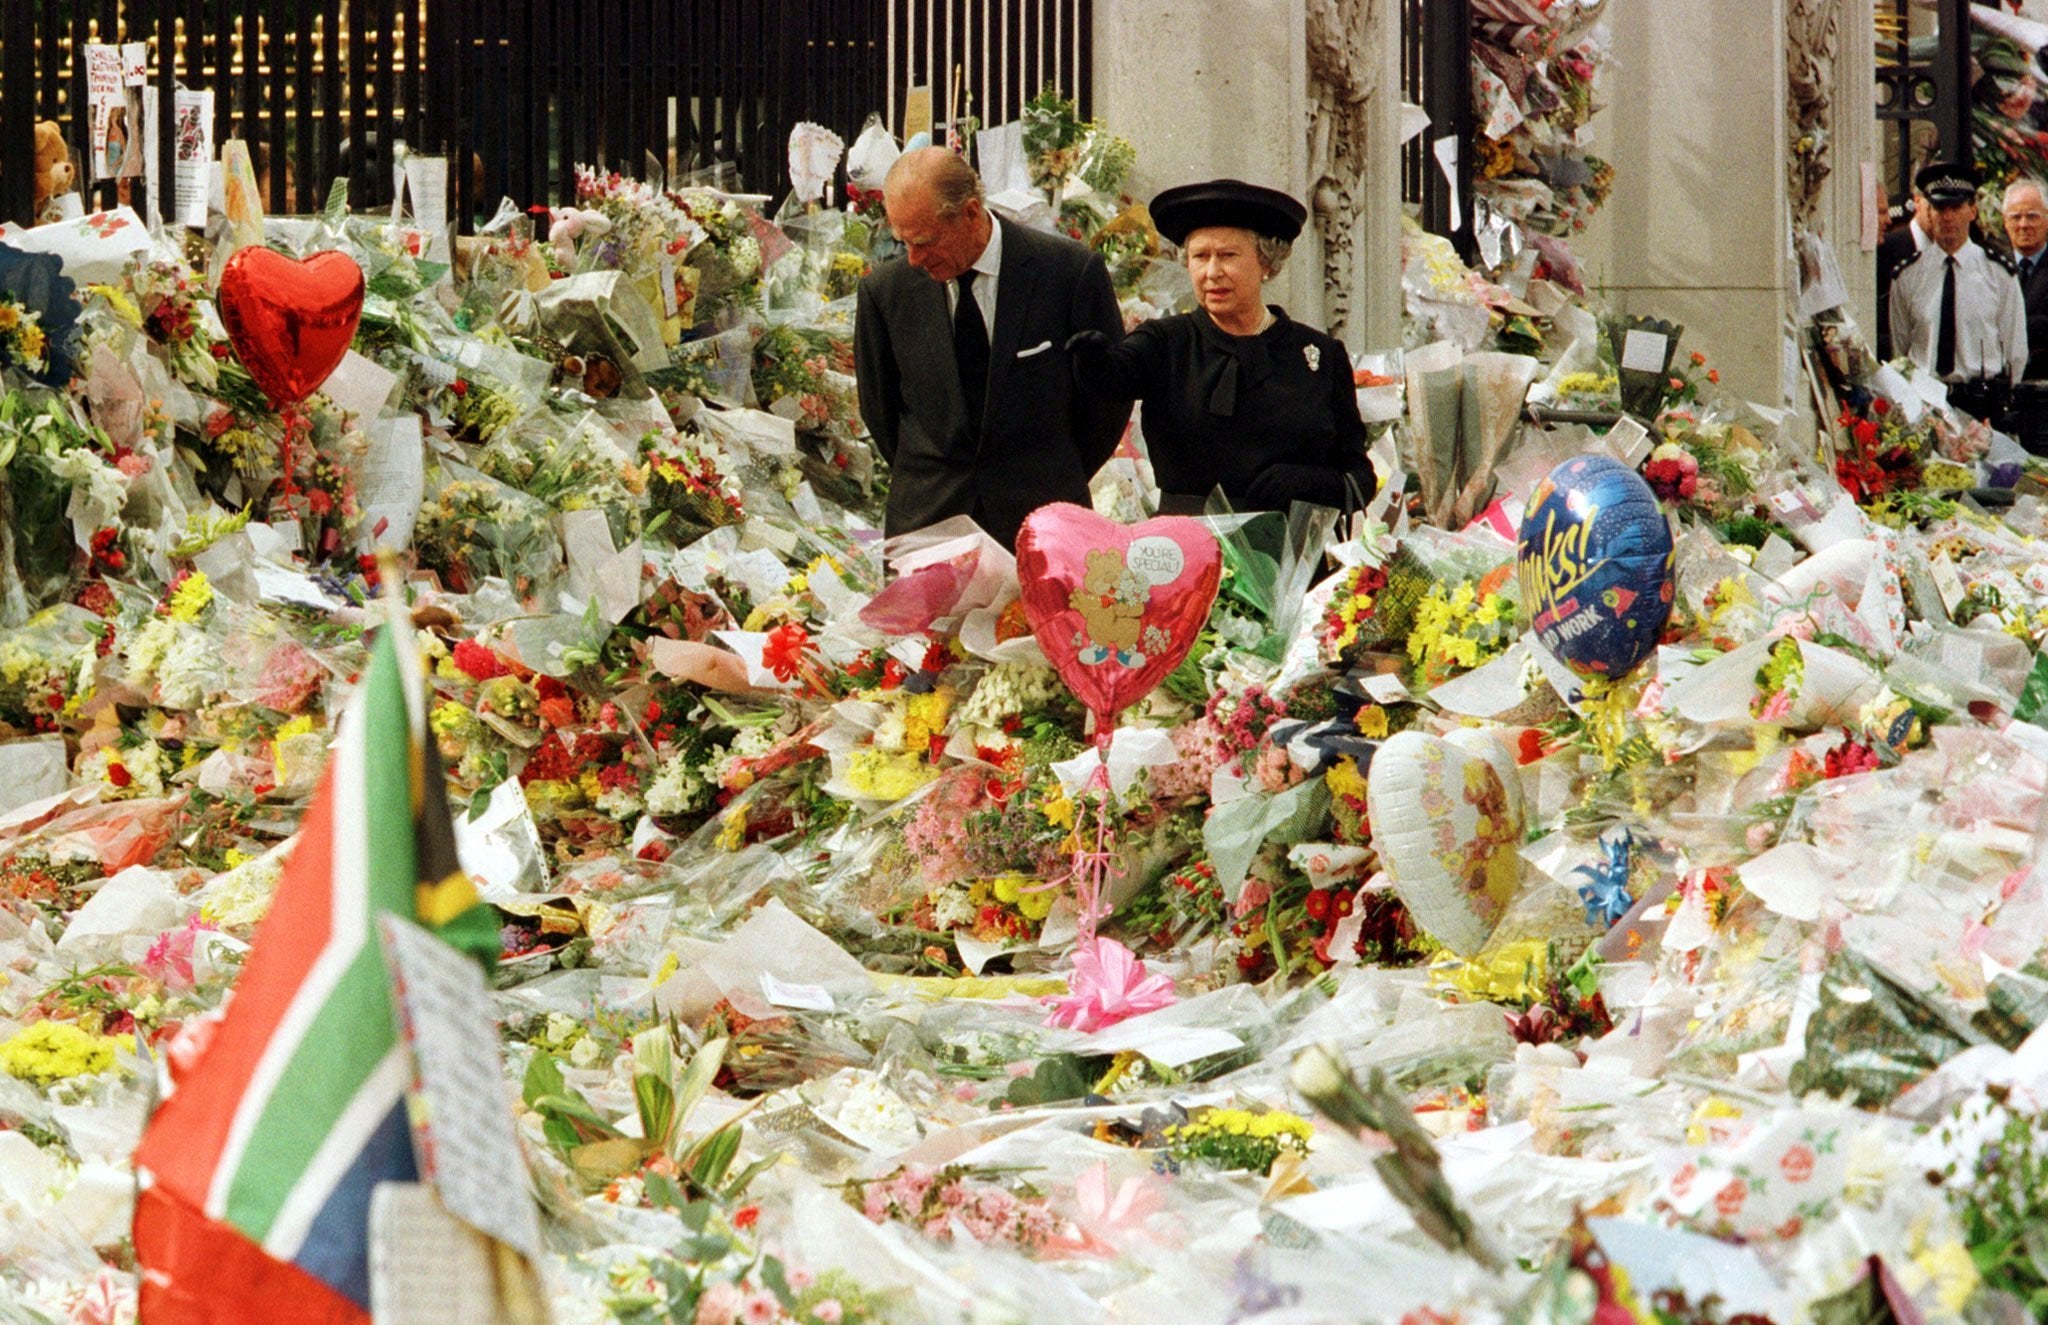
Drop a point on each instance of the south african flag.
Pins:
(256, 1169)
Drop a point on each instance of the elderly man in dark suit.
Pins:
(960, 348)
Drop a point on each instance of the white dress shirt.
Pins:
(1991, 313)
(990, 265)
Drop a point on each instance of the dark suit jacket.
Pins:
(2036, 292)
(1041, 438)
(1893, 249)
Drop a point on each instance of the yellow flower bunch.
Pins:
(296, 758)
(1240, 1138)
(48, 1051)
(1512, 973)
(885, 776)
(732, 829)
(1014, 890)
(1587, 384)
(924, 716)
(1343, 778)
(454, 724)
(193, 595)
(1457, 629)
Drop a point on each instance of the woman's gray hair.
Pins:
(1272, 253)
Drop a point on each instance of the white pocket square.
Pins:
(1039, 348)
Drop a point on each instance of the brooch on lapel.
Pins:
(1314, 355)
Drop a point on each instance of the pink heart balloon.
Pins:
(1115, 607)
(290, 321)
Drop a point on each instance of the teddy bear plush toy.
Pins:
(1111, 605)
(55, 175)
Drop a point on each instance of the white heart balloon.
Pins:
(1447, 821)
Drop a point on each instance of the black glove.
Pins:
(1088, 344)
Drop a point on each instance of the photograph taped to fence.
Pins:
(115, 80)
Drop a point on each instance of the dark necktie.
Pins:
(1945, 343)
(2026, 271)
(970, 350)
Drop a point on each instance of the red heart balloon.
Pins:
(1115, 607)
(290, 321)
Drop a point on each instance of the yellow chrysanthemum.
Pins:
(193, 596)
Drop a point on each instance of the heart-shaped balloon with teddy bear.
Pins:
(1115, 607)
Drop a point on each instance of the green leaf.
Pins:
(1060, 1077)
(657, 1105)
(711, 1157)
(543, 1077)
(2034, 694)
(695, 1215)
(576, 1111)
(744, 1179)
(479, 803)
(663, 1191)
(704, 1247)
(560, 1134)
(697, 1078)
(778, 1283)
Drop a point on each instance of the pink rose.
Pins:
(828, 1311)
(720, 1305)
(761, 1309)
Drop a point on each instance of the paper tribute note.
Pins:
(1644, 351)
(194, 179)
(463, 1134)
(391, 481)
(426, 1266)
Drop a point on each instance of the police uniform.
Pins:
(1988, 350)
(1961, 315)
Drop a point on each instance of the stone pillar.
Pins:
(1302, 95)
(1697, 227)
(1354, 167)
(1831, 131)
(1213, 90)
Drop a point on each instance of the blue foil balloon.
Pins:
(1595, 561)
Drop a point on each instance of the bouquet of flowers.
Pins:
(1459, 627)
(939, 1202)
(580, 470)
(731, 261)
(473, 527)
(1879, 452)
(687, 481)
(22, 344)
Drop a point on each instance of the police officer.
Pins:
(1956, 307)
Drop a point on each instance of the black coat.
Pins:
(1271, 419)
(1041, 439)
(1895, 248)
(2035, 289)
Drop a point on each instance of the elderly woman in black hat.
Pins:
(1237, 395)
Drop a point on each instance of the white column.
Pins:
(1697, 227)
(1211, 90)
(1856, 146)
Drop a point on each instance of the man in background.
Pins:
(1899, 243)
(960, 351)
(1956, 307)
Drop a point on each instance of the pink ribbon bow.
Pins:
(1109, 983)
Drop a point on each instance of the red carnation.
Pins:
(477, 662)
